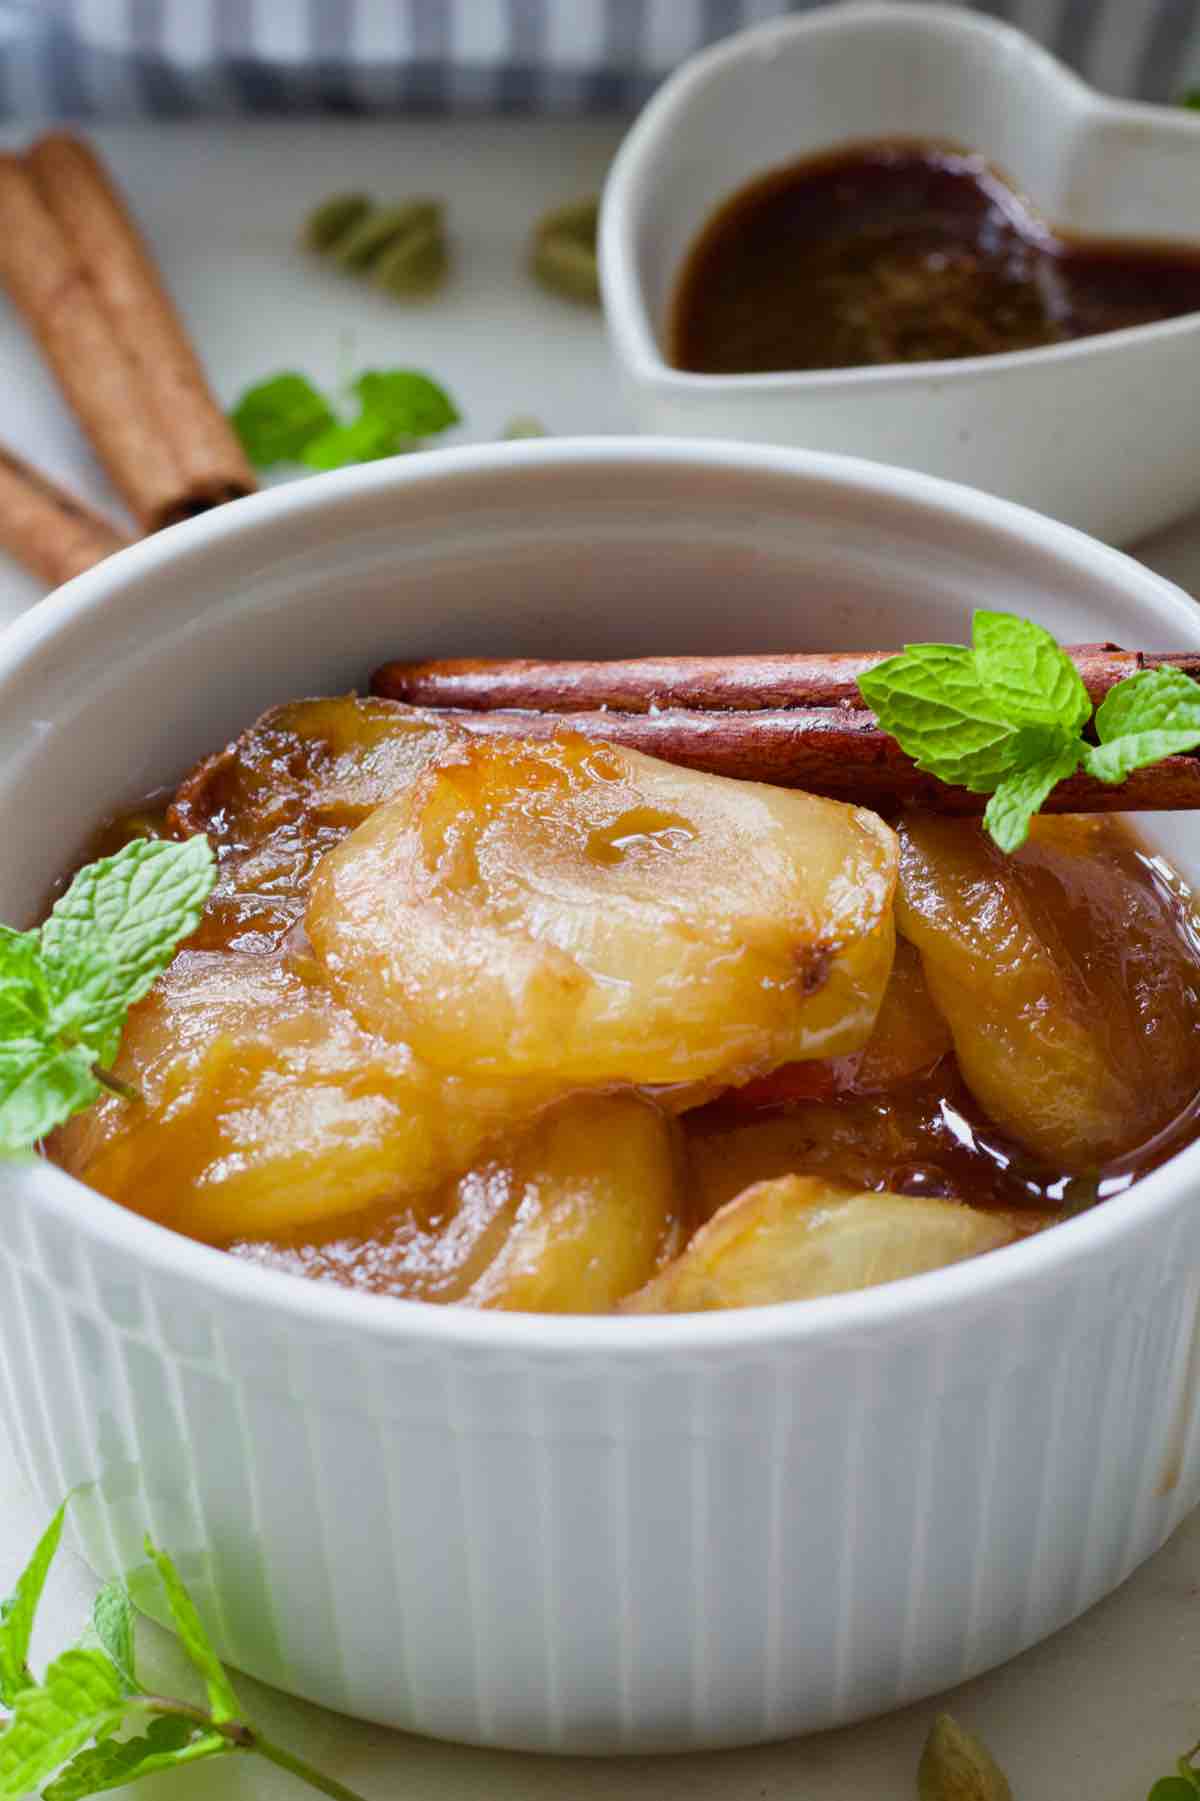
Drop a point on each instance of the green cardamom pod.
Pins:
(957, 1766)
(414, 263)
(562, 253)
(401, 248)
(333, 219)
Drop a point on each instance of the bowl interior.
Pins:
(771, 96)
(121, 682)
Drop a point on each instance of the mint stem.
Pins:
(116, 1086)
(324, 1785)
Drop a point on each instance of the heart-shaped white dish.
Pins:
(1103, 432)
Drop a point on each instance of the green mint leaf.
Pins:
(24, 996)
(41, 1085)
(934, 703)
(1034, 681)
(221, 1698)
(1151, 715)
(365, 440)
(408, 402)
(114, 931)
(278, 418)
(80, 1698)
(1174, 1788)
(112, 1616)
(114, 1763)
(18, 1611)
(1021, 794)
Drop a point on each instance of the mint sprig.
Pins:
(65, 990)
(285, 419)
(1007, 717)
(90, 1726)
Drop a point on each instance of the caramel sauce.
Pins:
(902, 252)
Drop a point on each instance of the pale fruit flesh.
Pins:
(267, 1106)
(799, 1237)
(568, 908)
(566, 1217)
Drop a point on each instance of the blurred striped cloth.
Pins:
(91, 58)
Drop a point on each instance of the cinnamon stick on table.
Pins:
(46, 528)
(638, 685)
(145, 322)
(75, 265)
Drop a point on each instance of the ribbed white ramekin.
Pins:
(580, 1534)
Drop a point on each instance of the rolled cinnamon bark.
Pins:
(46, 279)
(819, 679)
(46, 528)
(93, 217)
(836, 751)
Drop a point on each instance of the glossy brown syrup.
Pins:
(902, 252)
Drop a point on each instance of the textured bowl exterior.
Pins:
(1043, 427)
(571, 1534)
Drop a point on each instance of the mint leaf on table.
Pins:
(1007, 716)
(114, 1763)
(412, 404)
(364, 440)
(112, 1617)
(277, 418)
(62, 1731)
(195, 1640)
(1151, 715)
(80, 1698)
(17, 1612)
(65, 990)
(287, 420)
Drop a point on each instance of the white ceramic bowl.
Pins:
(555, 1533)
(1103, 432)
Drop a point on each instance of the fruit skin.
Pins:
(1065, 977)
(569, 907)
(798, 1237)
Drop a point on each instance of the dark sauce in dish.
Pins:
(904, 252)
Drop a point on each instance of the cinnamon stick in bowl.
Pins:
(642, 684)
(841, 752)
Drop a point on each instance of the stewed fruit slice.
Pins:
(1065, 976)
(798, 1237)
(566, 908)
(266, 1106)
(565, 1217)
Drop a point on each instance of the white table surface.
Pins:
(1098, 1711)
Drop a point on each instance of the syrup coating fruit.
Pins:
(1066, 977)
(572, 909)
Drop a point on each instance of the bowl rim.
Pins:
(857, 1315)
(633, 172)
